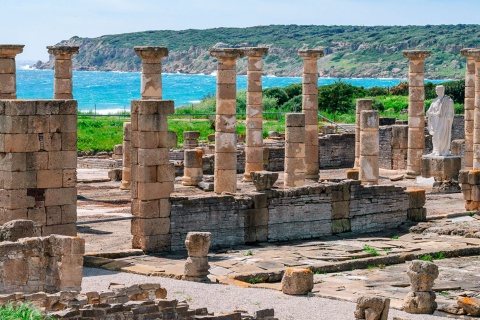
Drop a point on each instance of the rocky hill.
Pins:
(350, 51)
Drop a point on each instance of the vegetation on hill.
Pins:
(350, 51)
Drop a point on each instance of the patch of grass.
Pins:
(395, 238)
(434, 256)
(248, 253)
(255, 280)
(371, 267)
(25, 311)
(426, 257)
(444, 293)
(471, 213)
(371, 250)
(438, 256)
(381, 266)
(386, 249)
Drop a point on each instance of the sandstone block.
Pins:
(296, 281)
(196, 269)
(295, 134)
(420, 302)
(293, 180)
(153, 243)
(295, 120)
(372, 308)
(263, 180)
(150, 227)
(198, 243)
(422, 275)
(225, 181)
(470, 305)
(226, 123)
(416, 198)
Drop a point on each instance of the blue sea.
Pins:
(108, 92)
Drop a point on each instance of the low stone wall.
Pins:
(299, 213)
(98, 163)
(47, 264)
(337, 150)
(144, 301)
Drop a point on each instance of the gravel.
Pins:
(222, 298)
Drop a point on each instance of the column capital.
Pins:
(151, 52)
(63, 52)
(474, 53)
(416, 54)
(255, 51)
(227, 53)
(466, 52)
(10, 50)
(310, 53)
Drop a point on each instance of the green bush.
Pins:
(376, 91)
(293, 90)
(277, 93)
(337, 97)
(25, 311)
(293, 105)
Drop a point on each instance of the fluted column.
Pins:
(469, 107)
(63, 85)
(226, 121)
(8, 81)
(310, 109)
(151, 84)
(254, 148)
(369, 147)
(361, 105)
(416, 110)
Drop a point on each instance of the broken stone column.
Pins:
(421, 299)
(369, 147)
(38, 164)
(153, 175)
(469, 107)
(416, 111)
(361, 104)
(297, 281)
(126, 156)
(369, 308)
(8, 79)
(192, 167)
(263, 180)
(151, 84)
(294, 175)
(254, 147)
(196, 266)
(190, 139)
(63, 85)
(310, 109)
(226, 120)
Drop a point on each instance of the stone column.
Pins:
(310, 109)
(153, 175)
(151, 84)
(8, 81)
(416, 111)
(294, 175)
(254, 148)
(421, 298)
(226, 120)
(39, 164)
(196, 266)
(369, 147)
(126, 156)
(475, 53)
(192, 167)
(63, 87)
(361, 104)
(190, 139)
(469, 107)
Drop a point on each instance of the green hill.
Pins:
(350, 51)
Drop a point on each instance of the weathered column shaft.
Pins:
(416, 110)
(63, 85)
(254, 147)
(151, 84)
(226, 120)
(361, 104)
(469, 108)
(310, 109)
(295, 168)
(192, 167)
(153, 175)
(126, 156)
(369, 147)
(8, 81)
(476, 125)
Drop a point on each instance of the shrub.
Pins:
(294, 104)
(25, 311)
(400, 89)
(293, 90)
(277, 93)
(337, 97)
(376, 91)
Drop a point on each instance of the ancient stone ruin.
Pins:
(421, 298)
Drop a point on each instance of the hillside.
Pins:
(350, 51)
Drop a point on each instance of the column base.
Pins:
(125, 185)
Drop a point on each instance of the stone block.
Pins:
(154, 190)
(473, 177)
(155, 243)
(422, 302)
(353, 174)
(297, 281)
(263, 180)
(416, 198)
(293, 180)
(295, 150)
(16, 229)
(225, 142)
(441, 168)
(340, 209)
(372, 308)
(150, 227)
(295, 120)
(115, 174)
(417, 214)
(225, 181)
(340, 225)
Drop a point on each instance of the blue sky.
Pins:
(38, 23)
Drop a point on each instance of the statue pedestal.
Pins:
(444, 169)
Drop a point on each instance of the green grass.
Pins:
(24, 311)
(371, 250)
(255, 280)
(435, 256)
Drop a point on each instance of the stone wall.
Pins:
(47, 264)
(337, 150)
(38, 162)
(300, 213)
(98, 163)
(144, 301)
(386, 147)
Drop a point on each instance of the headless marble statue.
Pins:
(440, 119)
